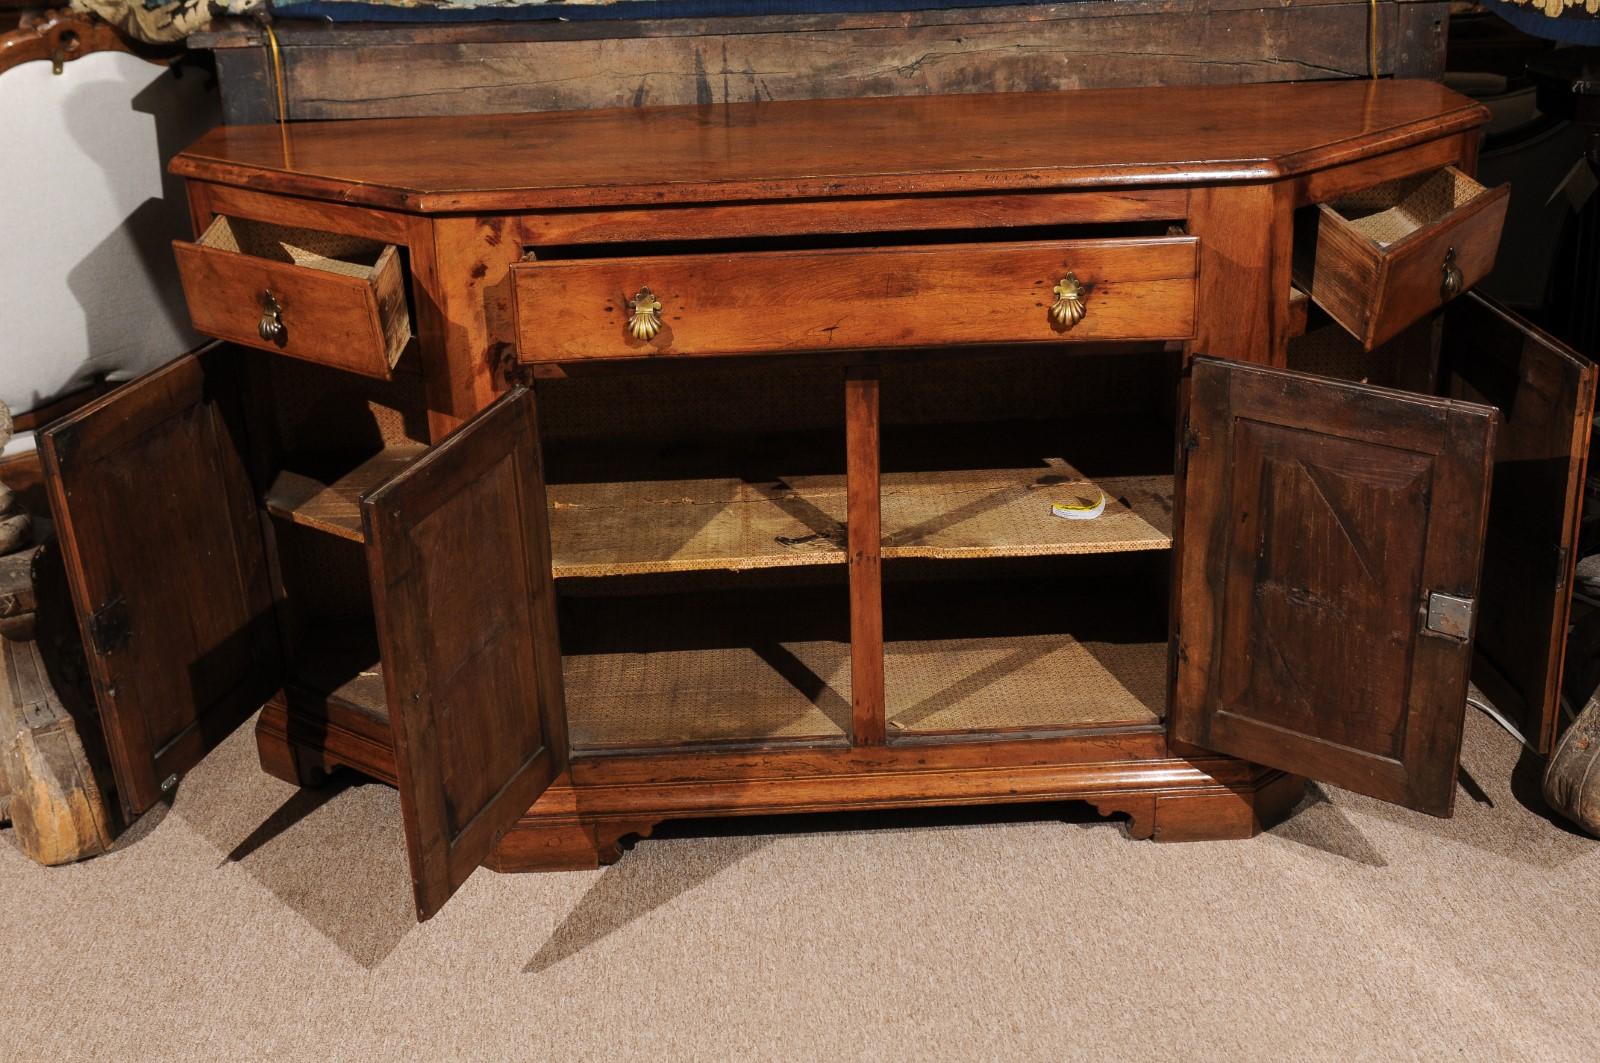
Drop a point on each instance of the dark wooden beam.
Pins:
(402, 70)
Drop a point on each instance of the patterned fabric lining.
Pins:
(350, 256)
(1394, 210)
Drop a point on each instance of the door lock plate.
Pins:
(1450, 614)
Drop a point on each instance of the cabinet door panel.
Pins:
(1545, 393)
(459, 551)
(160, 531)
(1329, 528)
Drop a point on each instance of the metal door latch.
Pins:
(1450, 614)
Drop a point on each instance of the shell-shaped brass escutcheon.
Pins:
(1069, 307)
(644, 315)
(271, 327)
(1453, 281)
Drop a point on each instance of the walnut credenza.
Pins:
(575, 472)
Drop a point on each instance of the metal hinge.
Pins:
(110, 627)
(1450, 614)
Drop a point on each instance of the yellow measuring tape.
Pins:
(1081, 508)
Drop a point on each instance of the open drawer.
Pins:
(1140, 288)
(337, 300)
(1379, 259)
(187, 636)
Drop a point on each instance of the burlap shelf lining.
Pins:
(349, 256)
(708, 695)
(1021, 682)
(1389, 212)
(631, 528)
(654, 526)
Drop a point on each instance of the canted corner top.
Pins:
(739, 152)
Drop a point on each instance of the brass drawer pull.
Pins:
(644, 315)
(1452, 283)
(1069, 308)
(271, 328)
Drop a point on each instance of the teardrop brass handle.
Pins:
(1069, 307)
(1453, 281)
(271, 328)
(644, 315)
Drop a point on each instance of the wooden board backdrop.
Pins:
(393, 70)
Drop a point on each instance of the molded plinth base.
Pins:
(581, 823)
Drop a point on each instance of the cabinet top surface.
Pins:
(1092, 138)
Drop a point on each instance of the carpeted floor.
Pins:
(251, 921)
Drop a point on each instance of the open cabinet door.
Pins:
(163, 545)
(1544, 391)
(1330, 557)
(459, 550)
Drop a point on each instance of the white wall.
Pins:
(87, 216)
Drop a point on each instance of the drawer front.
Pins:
(1132, 289)
(1376, 289)
(1413, 282)
(351, 323)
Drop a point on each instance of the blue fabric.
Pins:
(1573, 26)
(361, 11)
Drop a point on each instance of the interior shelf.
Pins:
(1050, 645)
(327, 497)
(656, 526)
(708, 696)
(1008, 513)
(706, 668)
(1024, 655)
(686, 697)
(616, 528)
(635, 527)
(659, 671)
(1022, 683)
(341, 665)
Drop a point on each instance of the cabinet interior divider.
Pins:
(864, 536)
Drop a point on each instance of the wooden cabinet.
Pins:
(819, 456)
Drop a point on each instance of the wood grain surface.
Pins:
(1376, 290)
(396, 70)
(1319, 517)
(473, 677)
(754, 303)
(158, 521)
(1094, 138)
(864, 543)
(1545, 392)
(359, 324)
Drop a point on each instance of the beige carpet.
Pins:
(249, 921)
